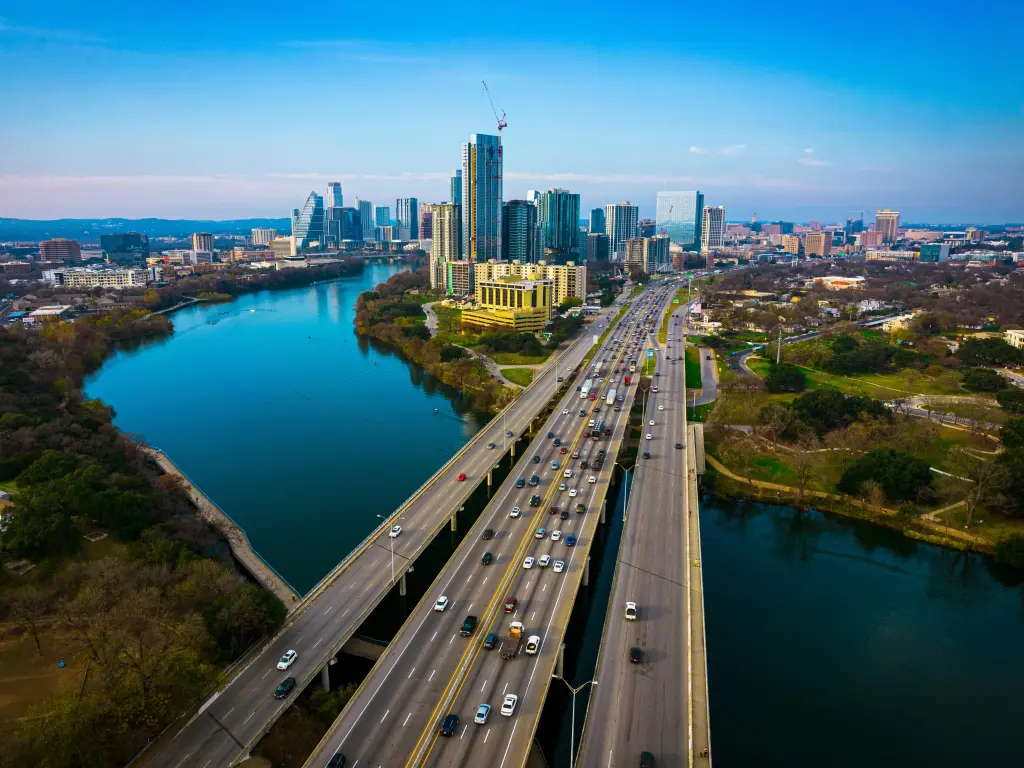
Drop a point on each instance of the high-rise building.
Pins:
(60, 249)
(426, 223)
(934, 252)
(648, 254)
(596, 222)
(771, 229)
(366, 217)
(558, 219)
(308, 224)
(569, 280)
(382, 216)
(263, 236)
(202, 241)
(645, 228)
(818, 244)
(511, 304)
(597, 246)
(869, 239)
(341, 224)
(620, 226)
(679, 216)
(446, 242)
(408, 215)
(712, 231)
(634, 259)
(888, 223)
(974, 234)
(519, 231)
(125, 247)
(385, 234)
(455, 195)
(482, 171)
(334, 198)
(791, 244)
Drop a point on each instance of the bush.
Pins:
(451, 353)
(826, 409)
(983, 380)
(785, 377)
(901, 476)
(1011, 399)
(1012, 434)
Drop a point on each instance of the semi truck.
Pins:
(510, 645)
(610, 399)
(586, 389)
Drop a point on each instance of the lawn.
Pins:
(449, 319)
(514, 358)
(693, 378)
(520, 376)
(699, 412)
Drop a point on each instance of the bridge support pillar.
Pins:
(455, 522)
(489, 477)
(560, 663)
(325, 677)
(513, 449)
(586, 572)
(402, 589)
(604, 511)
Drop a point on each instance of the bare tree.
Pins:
(29, 607)
(775, 420)
(806, 460)
(741, 452)
(980, 482)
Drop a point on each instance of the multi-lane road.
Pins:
(430, 671)
(236, 717)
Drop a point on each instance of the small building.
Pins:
(49, 314)
(508, 303)
(1014, 338)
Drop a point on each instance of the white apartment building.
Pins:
(712, 233)
(97, 277)
(569, 279)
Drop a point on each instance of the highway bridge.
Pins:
(229, 724)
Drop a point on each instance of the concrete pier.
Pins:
(325, 677)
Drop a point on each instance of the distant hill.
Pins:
(89, 230)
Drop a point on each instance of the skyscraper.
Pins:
(366, 217)
(455, 194)
(426, 221)
(558, 218)
(818, 244)
(645, 228)
(202, 241)
(481, 197)
(597, 246)
(382, 217)
(341, 224)
(596, 223)
(408, 214)
(620, 226)
(333, 199)
(712, 233)
(519, 231)
(308, 224)
(446, 243)
(263, 235)
(679, 216)
(888, 223)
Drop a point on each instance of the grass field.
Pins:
(693, 376)
(514, 358)
(521, 376)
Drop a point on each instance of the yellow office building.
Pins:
(568, 280)
(511, 304)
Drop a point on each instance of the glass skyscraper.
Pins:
(519, 231)
(620, 226)
(679, 216)
(383, 216)
(308, 224)
(558, 218)
(334, 198)
(365, 208)
(481, 197)
(596, 223)
(408, 214)
(455, 195)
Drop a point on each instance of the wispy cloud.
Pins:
(813, 162)
(809, 151)
(729, 151)
(43, 33)
(697, 150)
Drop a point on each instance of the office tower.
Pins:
(657, 257)
(531, 196)
(382, 216)
(519, 231)
(934, 252)
(125, 247)
(818, 244)
(787, 227)
(634, 259)
(558, 219)
(596, 222)
(712, 233)
(263, 236)
(569, 280)
(308, 224)
(597, 246)
(679, 216)
(888, 223)
(771, 229)
(426, 221)
(202, 241)
(446, 242)
(385, 234)
(620, 226)
(60, 249)
(974, 235)
(455, 195)
(791, 244)
(814, 226)
(334, 199)
(341, 224)
(481, 197)
(366, 217)
(645, 228)
(408, 214)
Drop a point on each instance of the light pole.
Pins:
(572, 732)
(391, 539)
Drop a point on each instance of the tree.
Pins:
(775, 421)
(988, 351)
(805, 461)
(981, 482)
(785, 377)
(900, 475)
(1011, 399)
(1011, 550)
(569, 303)
(1012, 434)
(740, 452)
(908, 511)
(29, 606)
(983, 380)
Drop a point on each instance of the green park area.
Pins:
(520, 376)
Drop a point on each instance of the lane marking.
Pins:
(410, 673)
(405, 722)
(486, 734)
(329, 607)
(433, 636)
(343, 616)
(231, 710)
(431, 676)
(532, 615)
(182, 761)
(483, 686)
(385, 715)
(464, 729)
(249, 717)
(504, 689)
(452, 640)
(317, 643)
(544, 588)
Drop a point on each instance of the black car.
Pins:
(487, 559)
(534, 501)
(584, 464)
(679, 445)
(558, 441)
(647, 454)
(534, 480)
(634, 655)
(284, 688)
(521, 482)
(449, 724)
(560, 379)
(536, 459)
(646, 760)
(550, 435)
(338, 761)
(564, 514)
(490, 641)
(602, 452)
(488, 534)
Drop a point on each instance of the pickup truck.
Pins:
(510, 645)
(468, 626)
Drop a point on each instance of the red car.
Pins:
(510, 604)
(563, 450)
(462, 476)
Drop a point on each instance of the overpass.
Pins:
(429, 670)
(229, 724)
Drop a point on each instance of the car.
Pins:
(550, 435)
(534, 481)
(555, 464)
(533, 645)
(556, 535)
(563, 450)
(573, 492)
(647, 454)
(488, 534)
(338, 761)
(287, 686)
(564, 514)
(534, 501)
(516, 512)
(570, 540)
(650, 423)
(559, 566)
(657, 374)
(287, 660)
(634, 655)
(562, 486)
(581, 508)
(583, 464)
(646, 760)
(575, 454)
(482, 713)
(528, 562)
(679, 445)
(521, 482)
(508, 706)
(536, 459)
(706, 357)
(591, 479)
(468, 626)
(449, 725)
(661, 407)
(461, 477)
(560, 379)
(487, 559)
(490, 446)
(441, 604)
(631, 611)
(491, 640)
(557, 441)
(540, 533)
(565, 411)
(648, 435)
(567, 473)
(545, 561)
(510, 604)
(582, 412)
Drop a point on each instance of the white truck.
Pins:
(586, 389)
(610, 399)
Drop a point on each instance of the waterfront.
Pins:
(298, 429)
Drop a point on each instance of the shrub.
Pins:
(1011, 399)
(983, 380)
(900, 475)
(785, 377)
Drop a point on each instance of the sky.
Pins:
(228, 109)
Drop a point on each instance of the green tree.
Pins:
(983, 380)
(569, 303)
(1011, 399)
(987, 351)
(900, 475)
(785, 377)
(1012, 434)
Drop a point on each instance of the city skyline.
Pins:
(939, 140)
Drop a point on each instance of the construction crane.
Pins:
(502, 122)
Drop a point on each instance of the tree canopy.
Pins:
(900, 475)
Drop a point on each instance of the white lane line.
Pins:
(329, 607)
(464, 728)
(265, 674)
(249, 717)
(431, 676)
(504, 689)
(410, 673)
(433, 636)
(343, 616)
(210, 761)
(231, 710)
(317, 642)
(406, 721)
(544, 588)
(469, 578)
(385, 715)
(483, 686)
(452, 640)
(488, 733)
(182, 761)
(485, 580)
(300, 639)
(532, 615)
(528, 585)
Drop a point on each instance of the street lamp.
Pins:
(572, 732)
(391, 539)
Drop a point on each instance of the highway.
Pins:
(429, 670)
(644, 706)
(230, 723)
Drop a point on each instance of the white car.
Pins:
(648, 435)
(533, 645)
(631, 611)
(287, 660)
(556, 535)
(559, 566)
(591, 479)
(573, 492)
(650, 423)
(567, 473)
(661, 407)
(528, 562)
(565, 411)
(516, 512)
(482, 713)
(540, 534)
(441, 604)
(508, 706)
(395, 531)
(545, 561)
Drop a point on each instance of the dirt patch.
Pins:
(26, 677)
(292, 739)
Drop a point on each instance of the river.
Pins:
(302, 432)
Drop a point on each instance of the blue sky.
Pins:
(805, 110)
